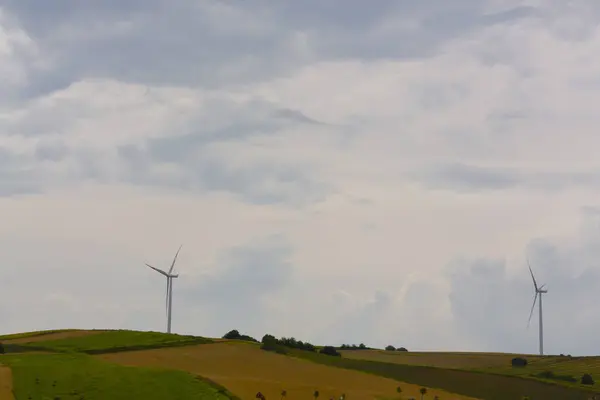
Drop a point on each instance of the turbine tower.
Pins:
(169, 297)
(538, 291)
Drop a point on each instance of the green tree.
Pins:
(316, 394)
(423, 391)
(1, 348)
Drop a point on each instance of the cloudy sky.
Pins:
(336, 171)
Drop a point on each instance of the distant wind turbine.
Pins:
(169, 296)
(538, 291)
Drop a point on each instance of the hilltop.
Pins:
(119, 364)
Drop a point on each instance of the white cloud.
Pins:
(379, 171)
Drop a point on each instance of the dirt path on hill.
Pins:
(5, 383)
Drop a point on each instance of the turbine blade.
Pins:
(532, 277)
(160, 271)
(175, 259)
(532, 308)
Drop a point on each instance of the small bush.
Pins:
(390, 348)
(330, 351)
(401, 349)
(519, 362)
(587, 379)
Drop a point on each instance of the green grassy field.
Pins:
(477, 384)
(115, 341)
(79, 376)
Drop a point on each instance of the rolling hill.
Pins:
(100, 364)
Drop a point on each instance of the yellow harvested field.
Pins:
(434, 359)
(51, 336)
(5, 383)
(244, 369)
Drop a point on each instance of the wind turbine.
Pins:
(169, 297)
(538, 291)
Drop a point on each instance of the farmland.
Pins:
(477, 384)
(434, 359)
(491, 363)
(26, 335)
(146, 364)
(114, 341)
(574, 367)
(245, 369)
(45, 336)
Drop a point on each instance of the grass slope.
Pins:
(116, 341)
(470, 383)
(245, 370)
(79, 376)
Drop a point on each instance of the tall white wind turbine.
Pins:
(538, 291)
(169, 297)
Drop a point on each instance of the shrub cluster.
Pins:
(235, 335)
(354, 347)
(271, 343)
(330, 351)
(288, 342)
(553, 376)
(392, 348)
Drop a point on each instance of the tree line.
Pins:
(271, 343)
